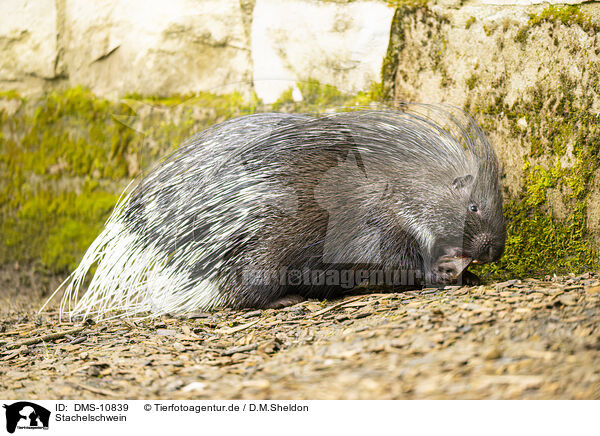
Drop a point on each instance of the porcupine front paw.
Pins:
(448, 269)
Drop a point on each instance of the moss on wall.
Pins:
(318, 97)
(565, 15)
(558, 123)
(50, 153)
(65, 158)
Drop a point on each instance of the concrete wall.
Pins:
(115, 47)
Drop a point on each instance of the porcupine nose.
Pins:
(484, 249)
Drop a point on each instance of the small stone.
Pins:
(194, 386)
(257, 384)
(494, 353)
(567, 300)
(268, 347)
(242, 349)
(166, 332)
(179, 347)
(197, 315)
(583, 276)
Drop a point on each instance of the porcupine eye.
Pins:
(474, 208)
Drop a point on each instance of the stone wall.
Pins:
(119, 47)
(530, 74)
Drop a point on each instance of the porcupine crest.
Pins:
(272, 191)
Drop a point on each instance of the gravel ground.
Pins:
(534, 339)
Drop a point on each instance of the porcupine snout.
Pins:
(485, 249)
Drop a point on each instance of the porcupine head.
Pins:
(470, 228)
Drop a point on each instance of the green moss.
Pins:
(165, 122)
(470, 22)
(10, 95)
(73, 134)
(318, 97)
(48, 150)
(223, 104)
(389, 67)
(522, 34)
(471, 82)
(374, 94)
(65, 157)
(567, 15)
(558, 122)
(412, 3)
(58, 227)
(315, 97)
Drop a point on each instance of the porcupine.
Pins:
(413, 190)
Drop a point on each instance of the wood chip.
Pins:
(45, 338)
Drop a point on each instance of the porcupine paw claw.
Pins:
(287, 300)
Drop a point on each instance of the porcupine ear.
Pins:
(462, 182)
